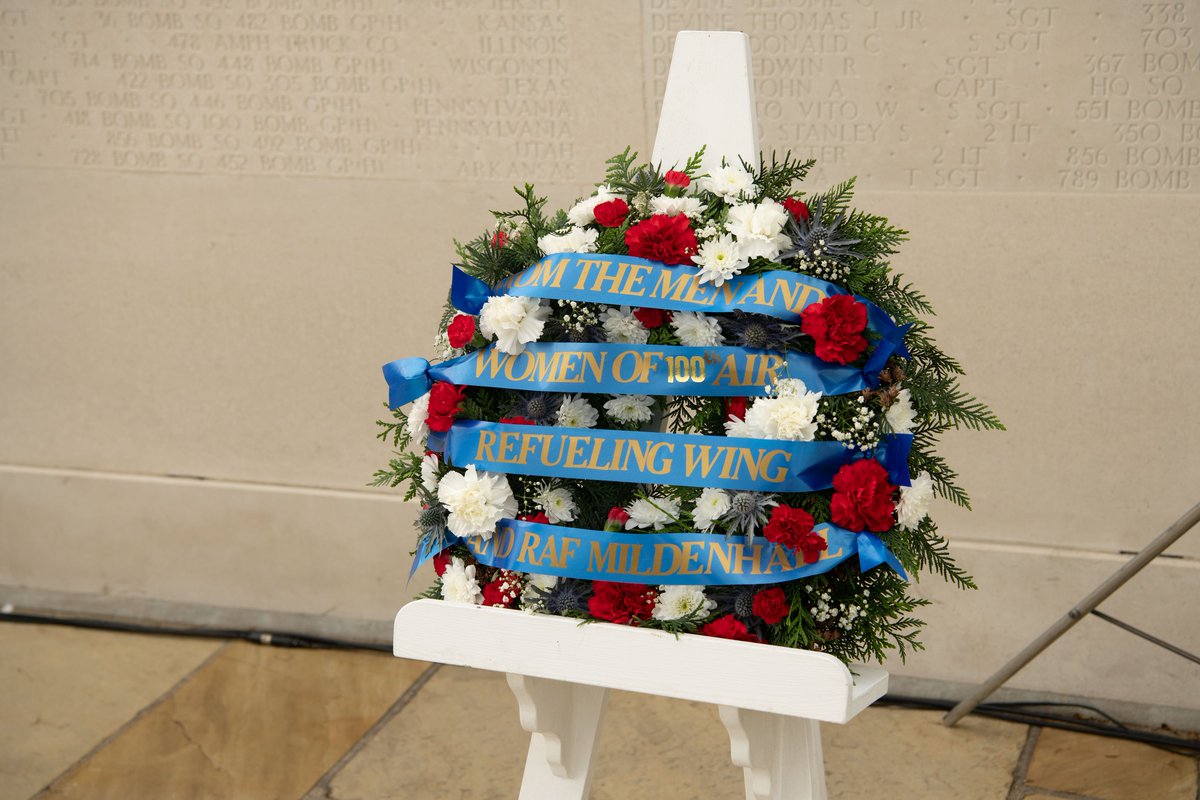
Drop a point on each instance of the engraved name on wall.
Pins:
(330, 88)
(997, 95)
(987, 96)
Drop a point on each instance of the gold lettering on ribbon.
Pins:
(603, 562)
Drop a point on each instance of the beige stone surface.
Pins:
(1111, 769)
(970, 634)
(460, 738)
(256, 722)
(321, 552)
(64, 690)
(914, 755)
(218, 222)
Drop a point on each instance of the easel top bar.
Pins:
(777, 680)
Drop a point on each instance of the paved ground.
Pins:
(86, 714)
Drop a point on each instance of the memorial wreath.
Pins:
(701, 402)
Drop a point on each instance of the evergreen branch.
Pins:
(776, 179)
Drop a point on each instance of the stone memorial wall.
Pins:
(221, 216)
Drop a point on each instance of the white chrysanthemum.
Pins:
(711, 505)
(731, 182)
(791, 414)
(575, 412)
(476, 501)
(529, 598)
(630, 408)
(418, 432)
(513, 321)
(584, 212)
(758, 228)
(677, 602)
(900, 414)
(696, 330)
(652, 512)
(719, 260)
(576, 240)
(429, 472)
(459, 584)
(622, 327)
(740, 429)
(557, 503)
(914, 502)
(672, 206)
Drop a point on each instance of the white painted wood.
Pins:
(564, 722)
(780, 756)
(709, 101)
(778, 680)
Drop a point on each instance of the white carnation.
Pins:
(630, 408)
(914, 502)
(459, 584)
(622, 327)
(673, 206)
(719, 260)
(711, 505)
(900, 414)
(576, 240)
(557, 503)
(696, 330)
(429, 472)
(575, 412)
(653, 512)
(584, 212)
(513, 321)
(417, 430)
(476, 501)
(791, 414)
(677, 602)
(758, 228)
(729, 182)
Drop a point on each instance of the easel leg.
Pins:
(780, 756)
(564, 719)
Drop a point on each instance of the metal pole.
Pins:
(1081, 610)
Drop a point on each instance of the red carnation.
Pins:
(670, 240)
(538, 517)
(503, 591)
(621, 603)
(612, 214)
(797, 208)
(440, 562)
(678, 179)
(735, 408)
(652, 317)
(728, 627)
(862, 497)
(836, 324)
(793, 527)
(517, 421)
(445, 401)
(771, 605)
(617, 517)
(461, 330)
(499, 239)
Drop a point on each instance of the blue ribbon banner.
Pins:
(703, 559)
(625, 280)
(623, 369)
(757, 465)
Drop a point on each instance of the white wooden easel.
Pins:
(770, 698)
